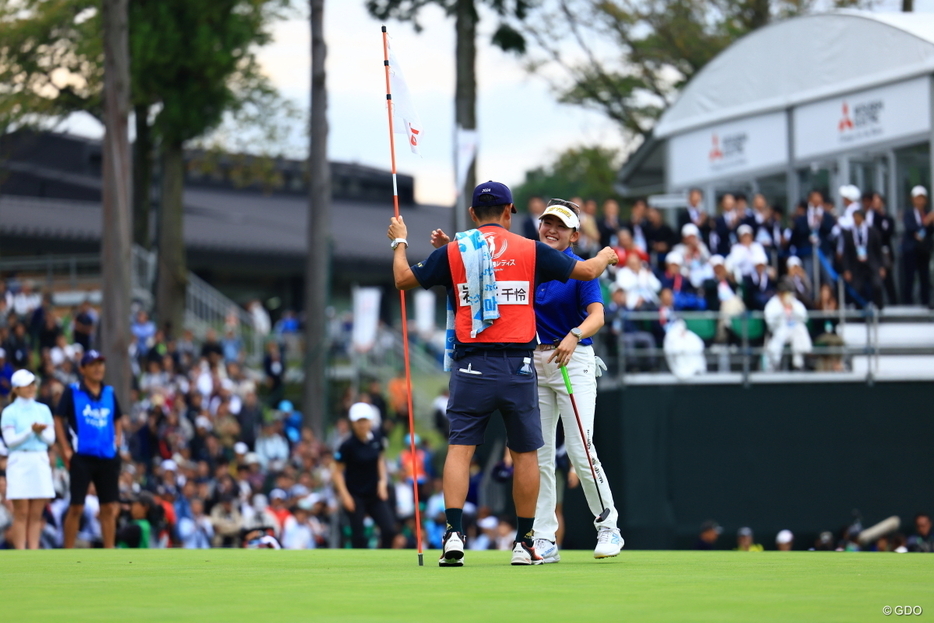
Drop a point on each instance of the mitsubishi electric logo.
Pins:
(865, 120)
(727, 151)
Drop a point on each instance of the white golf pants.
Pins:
(554, 403)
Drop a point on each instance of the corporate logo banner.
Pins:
(863, 118)
(729, 148)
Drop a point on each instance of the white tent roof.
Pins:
(804, 59)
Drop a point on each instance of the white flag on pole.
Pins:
(405, 117)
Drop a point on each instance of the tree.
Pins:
(115, 230)
(197, 58)
(628, 59)
(193, 61)
(466, 17)
(319, 230)
(587, 172)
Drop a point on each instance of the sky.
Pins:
(520, 124)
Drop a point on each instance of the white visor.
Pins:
(566, 215)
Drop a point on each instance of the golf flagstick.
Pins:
(405, 324)
(567, 383)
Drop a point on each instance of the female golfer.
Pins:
(361, 478)
(567, 315)
(28, 431)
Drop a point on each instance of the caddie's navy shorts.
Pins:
(485, 381)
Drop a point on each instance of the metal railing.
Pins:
(735, 347)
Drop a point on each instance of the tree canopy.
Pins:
(587, 172)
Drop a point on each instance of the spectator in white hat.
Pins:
(800, 282)
(784, 540)
(917, 244)
(851, 203)
(723, 295)
(759, 286)
(694, 254)
(740, 260)
(28, 431)
(361, 478)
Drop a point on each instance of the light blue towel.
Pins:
(481, 289)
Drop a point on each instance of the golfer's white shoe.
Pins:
(452, 550)
(609, 542)
(522, 554)
(548, 550)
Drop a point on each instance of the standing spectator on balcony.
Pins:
(787, 320)
(660, 237)
(84, 322)
(723, 235)
(696, 214)
(851, 203)
(863, 261)
(638, 225)
(885, 224)
(812, 231)
(144, 330)
(536, 206)
(917, 243)
(609, 224)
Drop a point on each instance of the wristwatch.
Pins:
(395, 243)
(576, 332)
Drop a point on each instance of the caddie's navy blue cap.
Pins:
(492, 194)
(90, 357)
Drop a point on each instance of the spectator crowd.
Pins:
(754, 258)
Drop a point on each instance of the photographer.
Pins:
(140, 520)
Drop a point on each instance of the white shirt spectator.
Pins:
(786, 318)
(272, 449)
(261, 321)
(696, 262)
(25, 302)
(642, 285)
(196, 533)
(742, 259)
(297, 535)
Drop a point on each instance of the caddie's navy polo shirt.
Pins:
(550, 265)
(559, 307)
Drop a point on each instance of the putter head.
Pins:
(604, 515)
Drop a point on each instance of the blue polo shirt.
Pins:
(559, 307)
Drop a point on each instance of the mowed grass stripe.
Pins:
(345, 585)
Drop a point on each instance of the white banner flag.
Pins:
(425, 313)
(405, 117)
(466, 152)
(365, 318)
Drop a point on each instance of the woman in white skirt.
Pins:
(28, 431)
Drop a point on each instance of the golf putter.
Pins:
(567, 383)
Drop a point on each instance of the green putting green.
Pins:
(229, 586)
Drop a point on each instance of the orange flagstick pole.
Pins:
(405, 321)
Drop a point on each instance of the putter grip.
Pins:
(567, 379)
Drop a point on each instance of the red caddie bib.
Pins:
(514, 263)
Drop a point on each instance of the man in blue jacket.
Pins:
(87, 427)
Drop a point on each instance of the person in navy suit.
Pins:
(917, 243)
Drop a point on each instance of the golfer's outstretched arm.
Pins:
(594, 267)
(401, 272)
